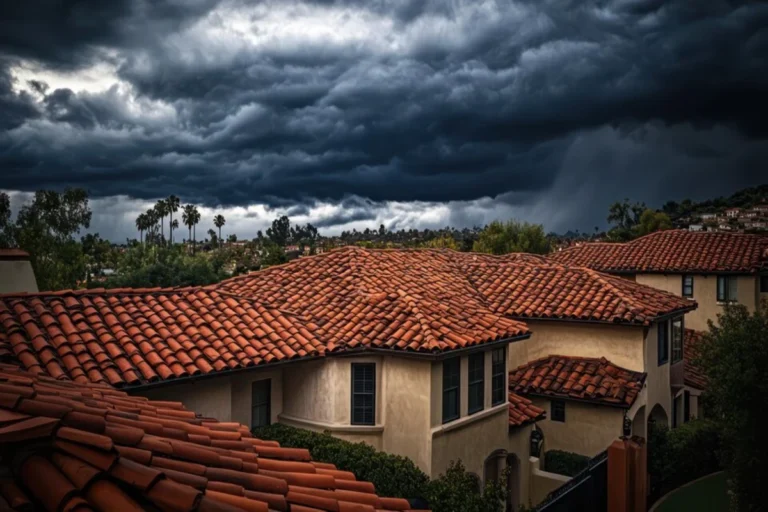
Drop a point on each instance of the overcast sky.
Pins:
(411, 113)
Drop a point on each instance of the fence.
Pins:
(588, 490)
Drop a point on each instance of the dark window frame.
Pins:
(726, 284)
(689, 287)
(686, 406)
(662, 342)
(677, 352)
(448, 365)
(763, 284)
(355, 420)
(267, 402)
(498, 376)
(475, 382)
(557, 410)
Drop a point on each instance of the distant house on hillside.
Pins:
(696, 227)
(709, 216)
(733, 212)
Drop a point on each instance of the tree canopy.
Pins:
(512, 236)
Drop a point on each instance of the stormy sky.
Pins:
(411, 113)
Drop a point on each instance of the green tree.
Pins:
(734, 357)
(442, 242)
(187, 217)
(272, 254)
(457, 491)
(624, 217)
(45, 228)
(512, 236)
(96, 251)
(141, 225)
(280, 232)
(161, 209)
(172, 204)
(6, 228)
(651, 221)
(219, 222)
(214, 239)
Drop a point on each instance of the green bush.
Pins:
(682, 454)
(564, 463)
(393, 475)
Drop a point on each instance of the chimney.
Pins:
(16, 274)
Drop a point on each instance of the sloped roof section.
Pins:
(66, 446)
(522, 411)
(693, 375)
(130, 337)
(673, 251)
(578, 378)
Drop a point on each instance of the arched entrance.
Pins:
(658, 416)
(638, 423)
(494, 465)
(513, 482)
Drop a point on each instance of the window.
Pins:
(558, 410)
(261, 410)
(363, 393)
(763, 284)
(686, 406)
(677, 340)
(726, 289)
(687, 286)
(663, 342)
(451, 380)
(498, 376)
(476, 382)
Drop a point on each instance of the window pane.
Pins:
(260, 403)
(677, 340)
(476, 382)
(498, 377)
(363, 393)
(558, 410)
(721, 288)
(763, 284)
(687, 286)
(732, 291)
(451, 382)
(663, 342)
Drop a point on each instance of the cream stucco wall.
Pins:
(17, 276)
(622, 345)
(588, 428)
(705, 294)
(657, 383)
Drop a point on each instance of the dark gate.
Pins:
(587, 491)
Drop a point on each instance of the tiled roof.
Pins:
(66, 447)
(692, 375)
(129, 337)
(13, 254)
(673, 251)
(522, 411)
(579, 378)
(547, 291)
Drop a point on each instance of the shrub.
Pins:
(393, 475)
(564, 463)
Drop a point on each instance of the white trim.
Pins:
(331, 427)
(467, 420)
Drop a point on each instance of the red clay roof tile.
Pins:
(577, 378)
(522, 411)
(94, 469)
(673, 251)
(693, 375)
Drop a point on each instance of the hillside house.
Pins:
(732, 212)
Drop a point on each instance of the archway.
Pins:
(494, 465)
(513, 482)
(476, 481)
(638, 423)
(658, 416)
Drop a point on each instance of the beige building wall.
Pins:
(588, 429)
(17, 276)
(657, 385)
(705, 294)
(622, 345)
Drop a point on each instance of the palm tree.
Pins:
(219, 221)
(175, 224)
(151, 216)
(195, 221)
(141, 225)
(212, 234)
(188, 216)
(161, 208)
(173, 206)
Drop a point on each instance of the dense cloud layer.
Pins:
(462, 110)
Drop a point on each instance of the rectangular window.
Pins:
(763, 284)
(726, 289)
(498, 376)
(677, 340)
(686, 406)
(476, 386)
(451, 381)
(261, 400)
(687, 286)
(558, 410)
(363, 394)
(663, 342)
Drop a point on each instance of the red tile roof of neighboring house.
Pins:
(692, 374)
(578, 378)
(523, 412)
(13, 254)
(129, 337)
(66, 447)
(673, 251)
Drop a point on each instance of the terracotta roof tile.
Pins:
(578, 378)
(522, 411)
(673, 251)
(53, 463)
(692, 374)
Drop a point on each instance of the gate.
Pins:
(587, 491)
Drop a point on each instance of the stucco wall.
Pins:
(704, 293)
(657, 385)
(588, 429)
(208, 397)
(622, 345)
(519, 444)
(17, 276)
(241, 394)
(319, 390)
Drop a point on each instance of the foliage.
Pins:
(219, 222)
(734, 357)
(280, 231)
(272, 254)
(746, 198)
(442, 242)
(98, 254)
(512, 236)
(393, 475)
(45, 228)
(624, 216)
(682, 454)
(564, 463)
(651, 221)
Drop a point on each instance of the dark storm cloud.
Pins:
(440, 101)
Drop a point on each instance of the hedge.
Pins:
(564, 463)
(393, 475)
(683, 454)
